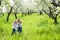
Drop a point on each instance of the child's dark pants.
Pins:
(13, 31)
(19, 29)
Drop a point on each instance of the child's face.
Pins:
(15, 22)
(18, 20)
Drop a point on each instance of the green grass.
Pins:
(35, 27)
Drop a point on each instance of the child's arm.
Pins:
(21, 25)
(13, 25)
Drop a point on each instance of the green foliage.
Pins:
(35, 27)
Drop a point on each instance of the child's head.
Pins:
(15, 22)
(18, 20)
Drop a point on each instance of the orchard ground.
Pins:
(35, 27)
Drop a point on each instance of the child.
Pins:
(19, 23)
(14, 27)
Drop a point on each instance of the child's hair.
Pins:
(19, 20)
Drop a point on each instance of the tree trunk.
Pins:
(8, 17)
(22, 14)
(55, 20)
(3, 14)
(40, 13)
(0, 2)
(15, 15)
(9, 14)
(25, 14)
(31, 13)
(28, 13)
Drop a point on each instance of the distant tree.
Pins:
(52, 15)
(53, 12)
(15, 13)
(9, 13)
(11, 10)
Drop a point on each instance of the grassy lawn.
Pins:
(35, 27)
